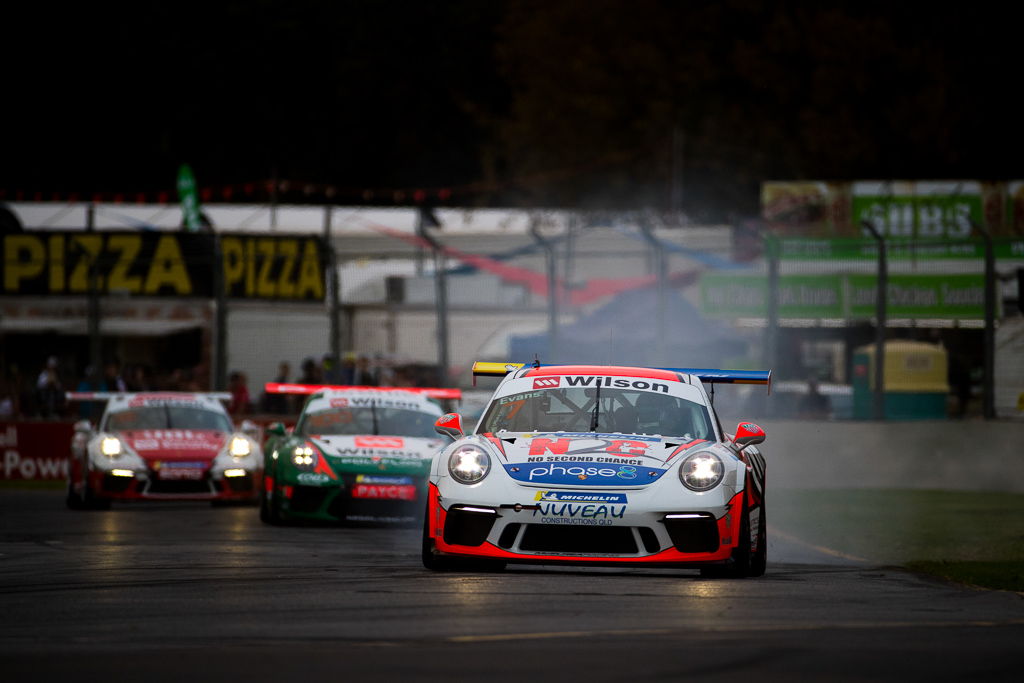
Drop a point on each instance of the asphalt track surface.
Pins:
(185, 591)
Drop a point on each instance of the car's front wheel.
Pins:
(442, 563)
(270, 509)
(744, 561)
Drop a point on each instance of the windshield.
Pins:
(372, 419)
(578, 409)
(168, 417)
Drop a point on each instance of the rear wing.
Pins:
(281, 388)
(84, 396)
(709, 375)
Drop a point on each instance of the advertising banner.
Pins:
(162, 264)
(844, 296)
(899, 210)
(35, 450)
(854, 249)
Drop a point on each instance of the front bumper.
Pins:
(348, 499)
(704, 531)
(148, 486)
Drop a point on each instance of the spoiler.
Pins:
(107, 395)
(279, 388)
(710, 375)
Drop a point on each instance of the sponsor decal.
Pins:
(446, 419)
(380, 442)
(580, 511)
(312, 478)
(380, 479)
(22, 446)
(546, 382)
(384, 492)
(589, 445)
(339, 403)
(620, 382)
(576, 497)
(161, 464)
(592, 474)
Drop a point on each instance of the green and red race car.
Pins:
(356, 454)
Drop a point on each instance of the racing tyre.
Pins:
(759, 560)
(743, 563)
(73, 500)
(445, 563)
(270, 512)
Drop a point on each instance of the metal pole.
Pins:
(440, 294)
(661, 273)
(988, 401)
(553, 287)
(878, 399)
(771, 327)
(676, 199)
(93, 313)
(220, 332)
(333, 286)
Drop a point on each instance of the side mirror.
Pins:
(747, 434)
(449, 425)
(83, 426)
(276, 429)
(250, 428)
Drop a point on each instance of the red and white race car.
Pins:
(165, 445)
(599, 465)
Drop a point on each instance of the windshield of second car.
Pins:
(579, 409)
(167, 417)
(368, 420)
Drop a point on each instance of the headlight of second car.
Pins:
(468, 464)
(304, 456)
(240, 447)
(702, 471)
(111, 447)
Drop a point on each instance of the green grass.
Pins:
(970, 537)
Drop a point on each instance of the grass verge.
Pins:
(970, 537)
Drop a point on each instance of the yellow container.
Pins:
(910, 366)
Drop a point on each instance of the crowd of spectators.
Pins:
(42, 395)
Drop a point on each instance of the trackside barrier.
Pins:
(35, 449)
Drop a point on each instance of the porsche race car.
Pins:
(599, 465)
(161, 445)
(357, 454)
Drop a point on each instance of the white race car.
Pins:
(599, 465)
(162, 445)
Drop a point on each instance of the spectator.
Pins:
(140, 379)
(279, 404)
(91, 381)
(348, 369)
(239, 404)
(814, 404)
(363, 376)
(112, 376)
(310, 372)
(330, 369)
(50, 390)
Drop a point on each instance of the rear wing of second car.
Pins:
(709, 375)
(306, 389)
(82, 396)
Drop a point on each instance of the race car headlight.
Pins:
(701, 471)
(110, 446)
(304, 456)
(468, 464)
(239, 447)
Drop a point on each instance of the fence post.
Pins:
(93, 308)
(878, 399)
(771, 328)
(333, 286)
(425, 217)
(988, 402)
(220, 333)
(554, 290)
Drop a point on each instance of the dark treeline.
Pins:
(511, 102)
